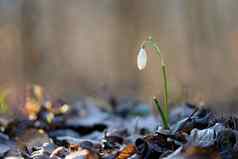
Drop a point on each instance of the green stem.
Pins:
(152, 44)
(165, 81)
(165, 123)
(165, 102)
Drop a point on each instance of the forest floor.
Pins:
(117, 128)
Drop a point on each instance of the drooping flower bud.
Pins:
(141, 59)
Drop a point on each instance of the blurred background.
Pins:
(84, 47)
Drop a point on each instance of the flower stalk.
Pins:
(150, 43)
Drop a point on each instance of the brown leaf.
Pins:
(194, 152)
(74, 147)
(127, 152)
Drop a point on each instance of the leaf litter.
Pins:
(93, 129)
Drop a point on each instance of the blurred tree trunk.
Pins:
(78, 47)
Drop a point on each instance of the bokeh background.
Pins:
(82, 47)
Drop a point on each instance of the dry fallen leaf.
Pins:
(127, 152)
(74, 147)
(195, 152)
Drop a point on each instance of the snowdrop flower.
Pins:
(141, 59)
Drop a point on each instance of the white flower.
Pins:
(141, 59)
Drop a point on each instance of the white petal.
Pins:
(141, 59)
